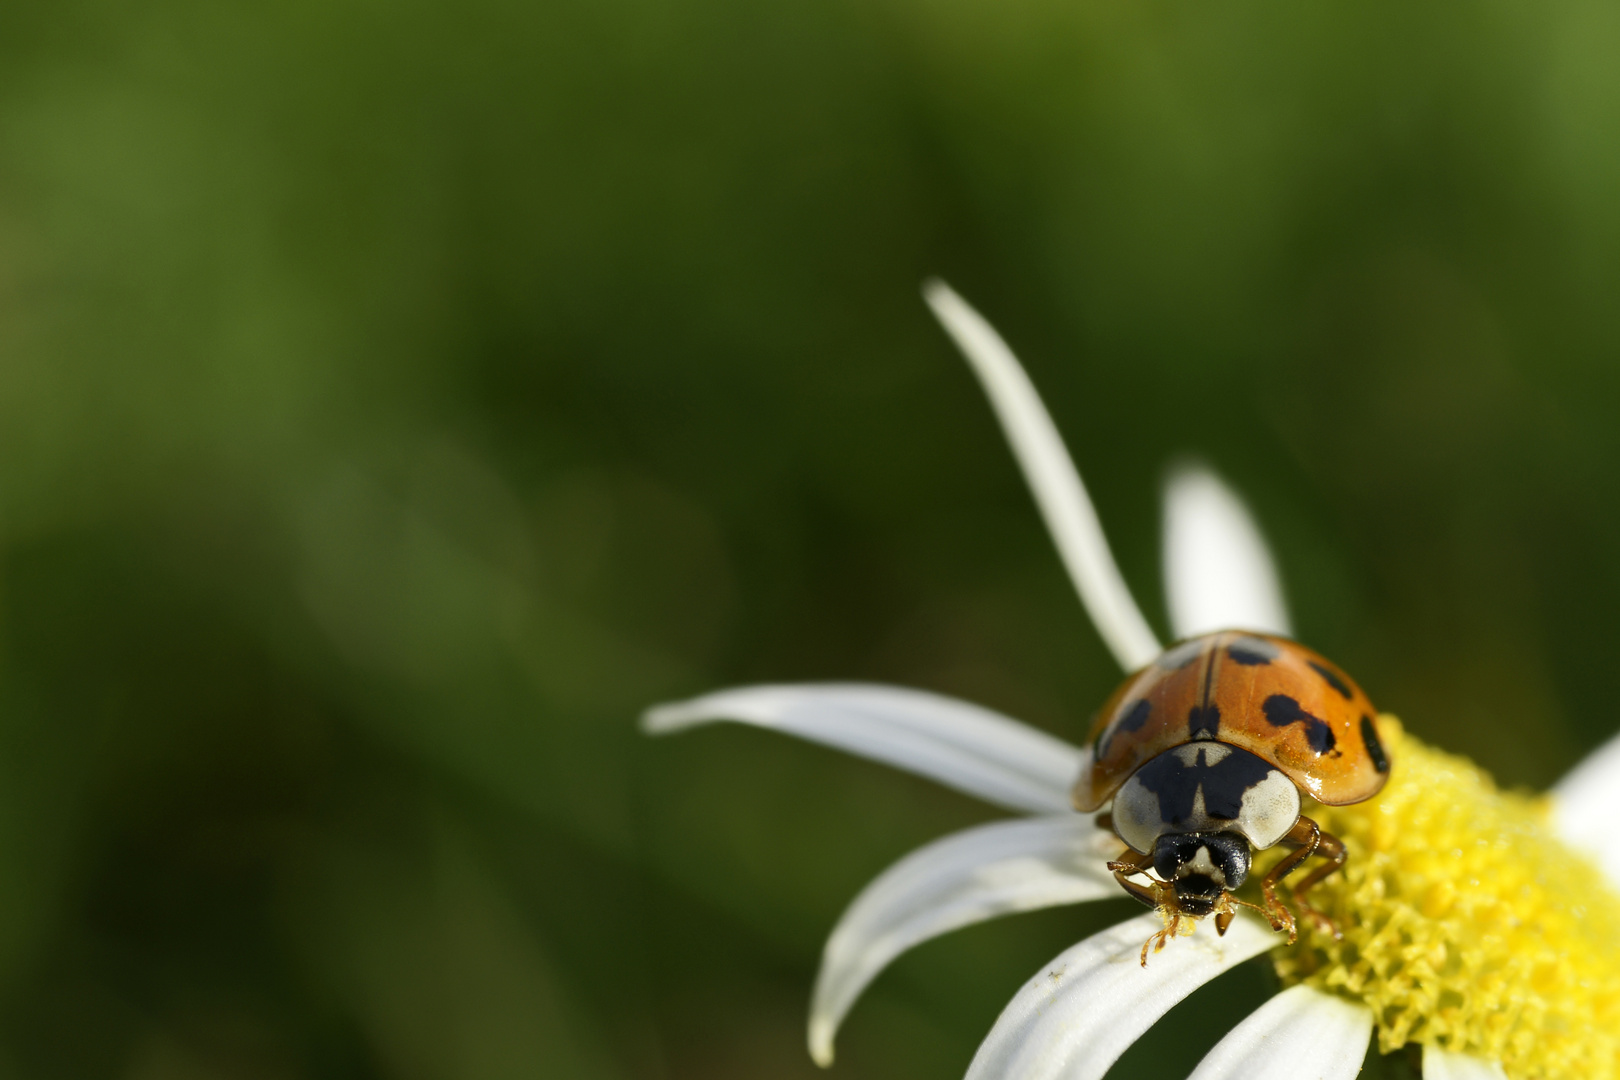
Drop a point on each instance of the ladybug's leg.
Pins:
(1156, 942)
(1155, 894)
(1331, 848)
(1303, 838)
(1134, 863)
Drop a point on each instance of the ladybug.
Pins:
(1206, 754)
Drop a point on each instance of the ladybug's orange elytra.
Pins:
(1270, 696)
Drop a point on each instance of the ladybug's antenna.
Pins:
(1052, 478)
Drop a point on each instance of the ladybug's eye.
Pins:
(1231, 854)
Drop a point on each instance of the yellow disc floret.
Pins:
(1466, 924)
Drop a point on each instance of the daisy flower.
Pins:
(1482, 924)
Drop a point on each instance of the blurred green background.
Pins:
(397, 398)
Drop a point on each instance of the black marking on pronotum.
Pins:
(1375, 746)
(1179, 656)
(1282, 710)
(1331, 677)
(1252, 651)
(1204, 721)
(1223, 783)
(1131, 719)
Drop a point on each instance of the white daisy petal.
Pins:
(1052, 478)
(1218, 571)
(1585, 803)
(965, 878)
(1299, 1033)
(1445, 1065)
(957, 743)
(1081, 1011)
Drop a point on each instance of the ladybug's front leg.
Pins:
(1331, 848)
(1303, 838)
(1308, 839)
(1136, 863)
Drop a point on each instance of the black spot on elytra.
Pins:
(1282, 710)
(1332, 678)
(1252, 651)
(1223, 782)
(1131, 719)
(1179, 656)
(1375, 747)
(1204, 721)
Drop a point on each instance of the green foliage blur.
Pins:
(395, 399)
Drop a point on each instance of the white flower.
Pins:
(1080, 1012)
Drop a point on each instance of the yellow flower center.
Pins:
(1466, 924)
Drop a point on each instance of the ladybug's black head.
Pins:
(1201, 866)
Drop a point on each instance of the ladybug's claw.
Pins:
(1283, 920)
(1156, 942)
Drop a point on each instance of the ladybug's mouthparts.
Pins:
(1197, 904)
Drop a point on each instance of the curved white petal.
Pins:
(1052, 478)
(1585, 803)
(1299, 1033)
(1218, 571)
(957, 743)
(1081, 1011)
(1445, 1065)
(965, 878)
